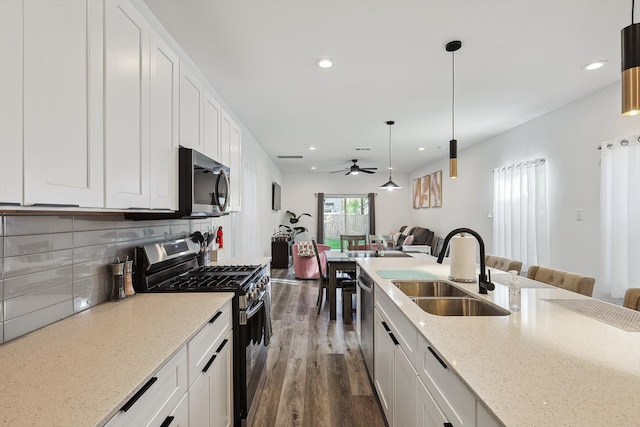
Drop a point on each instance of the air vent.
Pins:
(362, 148)
(290, 157)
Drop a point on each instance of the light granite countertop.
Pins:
(81, 370)
(542, 366)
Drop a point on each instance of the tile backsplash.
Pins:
(53, 266)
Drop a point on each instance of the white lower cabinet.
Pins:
(415, 385)
(427, 412)
(211, 372)
(395, 377)
(210, 397)
(161, 397)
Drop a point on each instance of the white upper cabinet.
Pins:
(235, 167)
(163, 123)
(191, 103)
(231, 155)
(211, 127)
(10, 102)
(63, 102)
(126, 106)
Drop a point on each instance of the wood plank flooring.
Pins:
(315, 374)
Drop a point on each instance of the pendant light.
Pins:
(631, 67)
(452, 46)
(390, 185)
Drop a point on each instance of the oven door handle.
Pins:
(255, 309)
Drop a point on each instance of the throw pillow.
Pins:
(305, 249)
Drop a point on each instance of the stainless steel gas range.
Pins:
(173, 267)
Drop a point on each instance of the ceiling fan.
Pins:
(355, 169)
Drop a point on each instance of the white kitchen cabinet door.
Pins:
(383, 366)
(200, 401)
(484, 418)
(427, 412)
(222, 386)
(164, 77)
(11, 102)
(225, 152)
(210, 397)
(63, 102)
(180, 416)
(235, 168)
(404, 386)
(212, 115)
(191, 106)
(126, 106)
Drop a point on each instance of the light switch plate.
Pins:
(579, 215)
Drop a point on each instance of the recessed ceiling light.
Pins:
(324, 63)
(313, 168)
(312, 148)
(595, 65)
(420, 148)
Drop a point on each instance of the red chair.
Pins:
(306, 267)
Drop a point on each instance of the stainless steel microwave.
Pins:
(203, 189)
(203, 185)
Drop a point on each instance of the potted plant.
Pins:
(291, 231)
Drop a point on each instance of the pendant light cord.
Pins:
(453, 94)
(390, 150)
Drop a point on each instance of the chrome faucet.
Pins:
(484, 284)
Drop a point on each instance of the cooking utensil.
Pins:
(198, 238)
(209, 238)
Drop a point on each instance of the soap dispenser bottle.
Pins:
(514, 292)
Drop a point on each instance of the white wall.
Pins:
(568, 139)
(298, 195)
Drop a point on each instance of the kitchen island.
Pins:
(81, 370)
(542, 366)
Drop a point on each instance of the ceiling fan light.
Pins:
(630, 44)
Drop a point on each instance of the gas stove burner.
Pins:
(224, 269)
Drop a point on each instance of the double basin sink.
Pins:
(441, 298)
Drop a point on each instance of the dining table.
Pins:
(346, 261)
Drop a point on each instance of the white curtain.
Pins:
(619, 213)
(520, 213)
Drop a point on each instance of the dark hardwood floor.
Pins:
(315, 374)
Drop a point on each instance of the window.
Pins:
(344, 214)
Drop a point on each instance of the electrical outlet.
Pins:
(489, 214)
(579, 215)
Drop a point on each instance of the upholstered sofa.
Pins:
(562, 279)
(413, 236)
(305, 266)
(632, 299)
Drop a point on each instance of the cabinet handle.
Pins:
(206, 367)
(139, 394)
(213, 319)
(448, 425)
(167, 421)
(9, 204)
(441, 362)
(393, 338)
(385, 326)
(222, 345)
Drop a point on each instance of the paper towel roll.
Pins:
(463, 259)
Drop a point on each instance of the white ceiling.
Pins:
(519, 59)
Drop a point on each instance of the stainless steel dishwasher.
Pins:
(365, 319)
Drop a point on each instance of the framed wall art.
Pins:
(436, 189)
(424, 193)
(417, 193)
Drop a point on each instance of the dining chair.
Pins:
(380, 242)
(343, 280)
(504, 264)
(353, 242)
(562, 279)
(632, 299)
